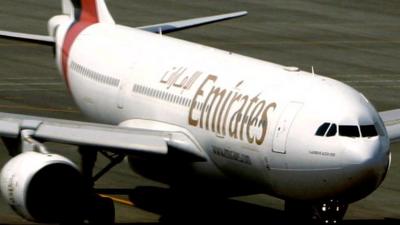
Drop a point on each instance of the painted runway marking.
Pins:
(119, 200)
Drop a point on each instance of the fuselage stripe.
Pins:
(87, 16)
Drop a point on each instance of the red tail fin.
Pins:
(91, 11)
(85, 14)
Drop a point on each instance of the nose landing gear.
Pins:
(326, 212)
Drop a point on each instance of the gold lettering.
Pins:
(199, 92)
(212, 78)
(264, 123)
(246, 115)
(191, 81)
(217, 94)
(181, 83)
(174, 77)
(236, 97)
(220, 115)
(250, 116)
(164, 80)
(236, 118)
(254, 117)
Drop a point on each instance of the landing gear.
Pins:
(94, 209)
(327, 212)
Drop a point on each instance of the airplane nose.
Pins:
(365, 167)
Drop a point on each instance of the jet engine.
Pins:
(42, 187)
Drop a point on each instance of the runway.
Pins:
(357, 42)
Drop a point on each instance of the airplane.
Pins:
(202, 120)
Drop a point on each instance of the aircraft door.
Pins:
(122, 89)
(283, 127)
(125, 86)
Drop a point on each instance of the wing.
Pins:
(162, 27)
(104, 137)
(392, 123)
(185, 24)
(33, 38)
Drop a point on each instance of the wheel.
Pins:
(330, 212)
(327, 212)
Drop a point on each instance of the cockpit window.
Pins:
(349, 131)
(368, 131)
(322, 129)
(332, 130)
(353, 131)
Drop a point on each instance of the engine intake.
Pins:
(42, 187)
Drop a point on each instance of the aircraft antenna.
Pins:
(160, 31)
(312, 70)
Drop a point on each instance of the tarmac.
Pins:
(356, 42)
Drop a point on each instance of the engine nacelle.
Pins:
(42, 187)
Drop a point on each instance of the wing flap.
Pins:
(189, 23)
(391, 119)
(110, 138)
(121, 139)
(181, 143)
(32, 38)
(81, 133)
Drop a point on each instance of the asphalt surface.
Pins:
(357, 42)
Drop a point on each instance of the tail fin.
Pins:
(93, 11)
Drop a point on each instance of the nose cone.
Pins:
(365, 166)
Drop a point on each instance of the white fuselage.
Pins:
(255, 120)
